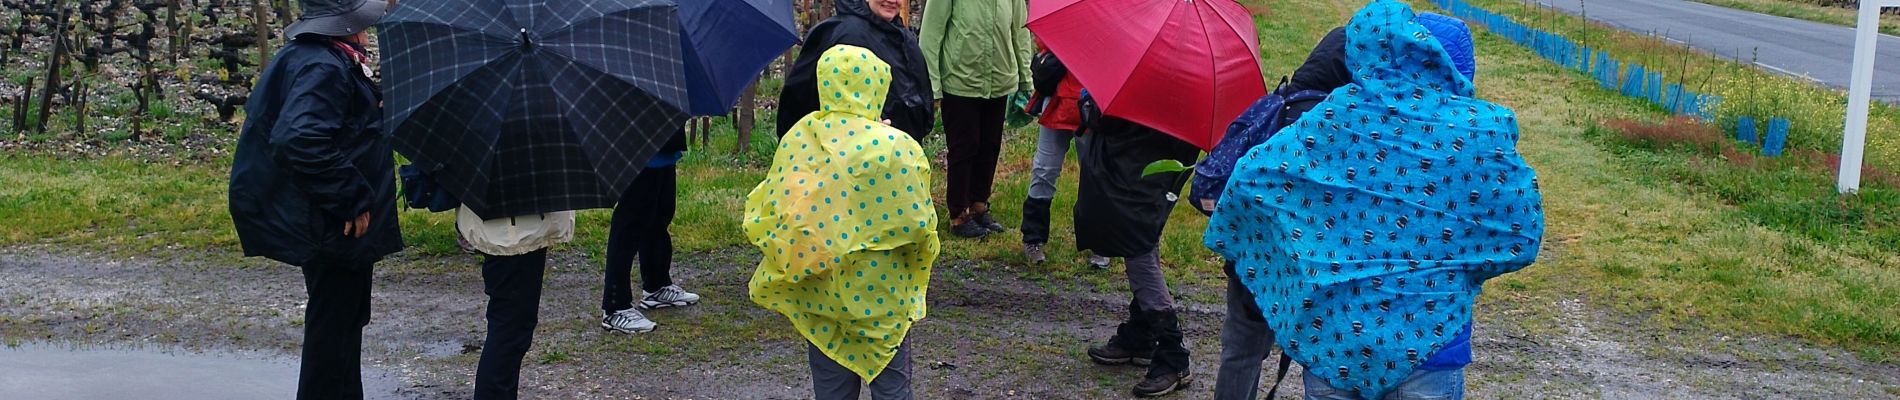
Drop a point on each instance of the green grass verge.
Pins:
(1815, 112)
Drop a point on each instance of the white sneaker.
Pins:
(670, 296)
(1098, 262)
(627, 321)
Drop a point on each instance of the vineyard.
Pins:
(168, 79)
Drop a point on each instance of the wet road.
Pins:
(58, 373)
(1820, 52)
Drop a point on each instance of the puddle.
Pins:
(53, 372)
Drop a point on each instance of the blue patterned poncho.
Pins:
(1366, 229)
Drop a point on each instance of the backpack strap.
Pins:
(1279, 375)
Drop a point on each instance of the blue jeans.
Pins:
(1421, 385)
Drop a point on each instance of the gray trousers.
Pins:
(1145, 279)
(1052, 147)
(1245, 343)
(830, 381)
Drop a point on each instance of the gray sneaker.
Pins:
(1098, 262)
(1034, 253)
(627, 321)
(670, 296)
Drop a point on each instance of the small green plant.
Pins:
(552, 356)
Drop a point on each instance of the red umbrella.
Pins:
(1185, 67)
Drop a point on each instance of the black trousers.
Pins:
(513, 285)
(639, 229)
(1036, 220)
(333, 330)
(973, 130)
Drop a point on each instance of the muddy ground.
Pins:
(990, 334)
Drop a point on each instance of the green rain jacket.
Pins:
(977, 48)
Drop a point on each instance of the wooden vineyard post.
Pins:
(53, 62)
(260, 23)
(747, 118)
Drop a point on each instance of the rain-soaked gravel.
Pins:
(990, 334)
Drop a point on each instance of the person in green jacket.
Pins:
(978, 52)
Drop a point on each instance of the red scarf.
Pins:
(357, 56)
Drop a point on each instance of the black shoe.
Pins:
(989, 223)
(970, 229)
(1156, 385)
(1112, 354)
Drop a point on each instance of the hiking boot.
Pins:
(984, 219)
(1160, 384)
(627, 321)
(1034, 253)
(1098, 262)
(1115, 354)
(669, 296)
(969, 228)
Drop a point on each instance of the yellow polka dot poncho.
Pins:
(845, 220)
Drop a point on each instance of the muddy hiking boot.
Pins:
(1114, 354)
(1133, 343)
(1162, 384)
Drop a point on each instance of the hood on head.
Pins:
(853, 80)
(860, 8)
(1456, 38)
(1387, 46)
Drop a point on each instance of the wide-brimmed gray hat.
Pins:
(337, 17)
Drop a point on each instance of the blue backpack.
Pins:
(1261, 121)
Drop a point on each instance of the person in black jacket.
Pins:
(313, 183)
(1119, 212)
(872, 25)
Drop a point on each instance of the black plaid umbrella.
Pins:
(519, 107)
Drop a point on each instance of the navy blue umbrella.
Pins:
(727, 43)
(519, 107)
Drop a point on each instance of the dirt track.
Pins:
(988, 336)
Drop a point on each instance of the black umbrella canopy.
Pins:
(520, 107)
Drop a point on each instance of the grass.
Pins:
(1680, 237)
(1804, 10)
(1816, 112)
(1651, 233)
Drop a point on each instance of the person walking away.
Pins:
(640, 229)
(1420, 76)
(848, 234)
(514, 259)
(1055, 98)
(872, 25)
(1121, 213)
(1246, 341)
(978, 52)
(313, 183)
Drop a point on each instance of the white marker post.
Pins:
(1860, 93)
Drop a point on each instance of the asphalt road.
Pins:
(1813, 50)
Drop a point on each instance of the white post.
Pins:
(1860, 93)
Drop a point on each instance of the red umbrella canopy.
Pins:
(1184, 67)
